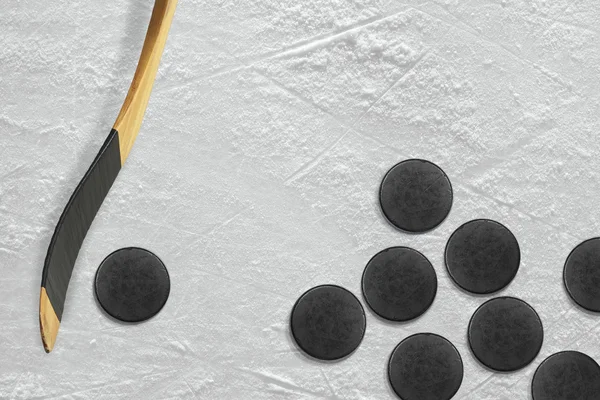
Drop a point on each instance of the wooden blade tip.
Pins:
(49, 322)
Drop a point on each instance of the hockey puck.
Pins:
(425, 366)
(505, 334)
(328, 322)
(482, 256)
(415, 195)
(132, 284)
(399, 284)
(582, 274)
(568, 375)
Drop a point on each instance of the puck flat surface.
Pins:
(425, 366)
(482, 256)
(415, 195)
(505, 334)
(132, 284)
(399, 284)
(568, 375)
(582, 274)
(328, 322)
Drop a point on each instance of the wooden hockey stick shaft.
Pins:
(87, 198)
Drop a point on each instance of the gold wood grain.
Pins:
(49, 322)
(130, 117)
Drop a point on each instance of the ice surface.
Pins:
(255, 177)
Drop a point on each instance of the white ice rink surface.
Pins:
(255, 177)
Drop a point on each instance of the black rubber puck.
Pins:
(582, 274)
(425, 366)
(328, 322)
(415, 195)
(399, 284)
(505, 334)
(568, 375)
(482, 256)
(132, 284)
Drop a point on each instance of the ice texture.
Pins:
(255, 177)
